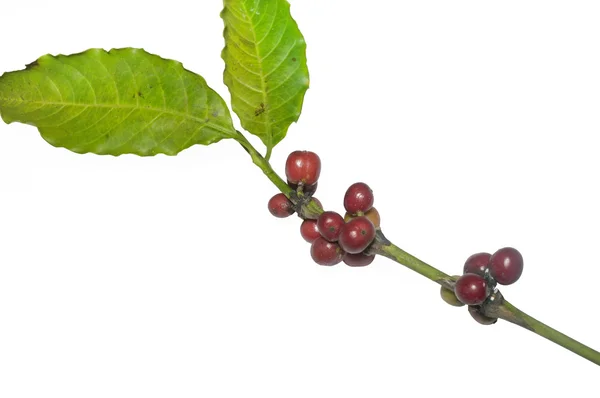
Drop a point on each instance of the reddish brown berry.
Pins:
(358, 198)
(357, 234)
(330, 224)
(471, 289)
(309, 230)
(477, 264)
(372, 215)
(506, 266)
(280, 206)
(303, 167)
(358, 260)
(479, 317)
(324, 252)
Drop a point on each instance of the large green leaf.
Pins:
(122, 101)
(265, 66)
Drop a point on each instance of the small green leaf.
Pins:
(265, 66)
(117, 102)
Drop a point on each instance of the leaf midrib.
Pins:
(124, 106)
(259, 59)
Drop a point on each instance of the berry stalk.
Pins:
(505, 265)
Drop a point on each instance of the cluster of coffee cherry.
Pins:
(333, 238)
(481, 273)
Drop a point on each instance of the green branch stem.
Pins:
(498, 307)
(495, 307)
(264, 165)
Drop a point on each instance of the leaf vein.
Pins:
(258, 43)
(282, 61)
(278, 42)
(82, 75)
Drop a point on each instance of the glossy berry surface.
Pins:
(280, 206)
(309, 230)
(372, 215)
(358, 260)
(506, 266)
(449, 297)
(303, 167)
(471, 289)
(357, 234)
(479, 317)
(477, 264)
(330, 225)
(358, 198)
(324, 252)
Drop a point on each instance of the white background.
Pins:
(476, 125)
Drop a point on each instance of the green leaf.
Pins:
(265, 66)
(117, 102)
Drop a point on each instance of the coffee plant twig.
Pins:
(127, 101)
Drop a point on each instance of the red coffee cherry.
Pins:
(309, 230)
(324, 252)
(506, 266)
(357, 234)
(358, 260)
(477, 264)
(280, 206)
(303, 167)
(330, 224)
(471, 289)
(358, 198)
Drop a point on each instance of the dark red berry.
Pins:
(358, 198)
(330, 224)
(309, 230)
(307, 190)
(477, 264)
(358, 260)
(506, 266)
(303, 167)
(479, 317)
(357, 234)
(471, 289)
(325, 252)
(280, 206)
